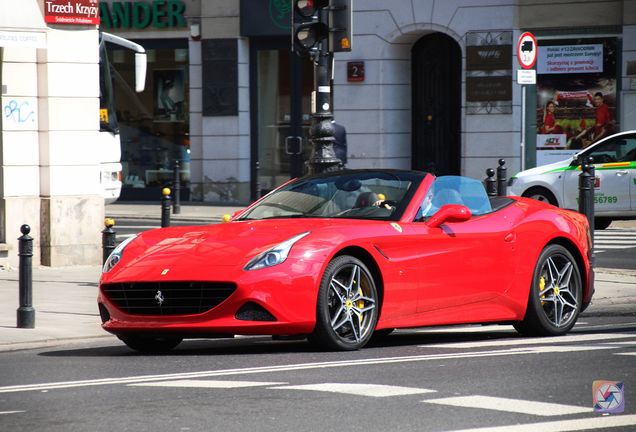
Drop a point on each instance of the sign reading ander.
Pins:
(142, 14)
(71, 11)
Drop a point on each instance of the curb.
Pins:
(20, 346)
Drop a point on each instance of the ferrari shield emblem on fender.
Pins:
(397, 227)
(165, 272)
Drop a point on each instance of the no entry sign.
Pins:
(527, 50)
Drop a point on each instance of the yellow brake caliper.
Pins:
(541, 288)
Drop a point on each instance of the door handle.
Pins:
(510, 237)
(621, 173)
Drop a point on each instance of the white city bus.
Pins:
(109, 139)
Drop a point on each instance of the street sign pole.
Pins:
(527, 57)
(523, 127)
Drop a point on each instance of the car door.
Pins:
(614, 174)
(463, 263)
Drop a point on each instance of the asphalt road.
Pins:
(445, 379)
(616, 247)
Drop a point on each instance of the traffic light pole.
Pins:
(322, 133)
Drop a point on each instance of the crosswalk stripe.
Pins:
(588, 423)
(612, 246)
(533, 341)
(614, 239)
(372, 390)
(510, 405)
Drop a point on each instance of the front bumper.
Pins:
(284, 298)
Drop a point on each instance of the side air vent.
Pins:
(253, 312)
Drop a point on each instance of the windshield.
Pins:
(381, 195)
(107, 116)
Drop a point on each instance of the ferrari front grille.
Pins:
(167, 298)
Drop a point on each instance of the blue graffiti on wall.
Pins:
(19, 112)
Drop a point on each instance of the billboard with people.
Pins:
(576, 95)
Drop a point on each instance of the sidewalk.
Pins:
(66, 309)
(190, 212)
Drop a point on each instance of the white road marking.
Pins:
(621, 343)
(588, 423)
(497, 328)
(301, 366)
(10, 412)
(373, 390)
(208, 384)
(533, 341)
(614, 245)
(510, 405)
(627, 353)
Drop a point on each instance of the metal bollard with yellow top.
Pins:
(108, 239)
(166, 202)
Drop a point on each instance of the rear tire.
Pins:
(151, 345)
(541, 194)
(554, 302)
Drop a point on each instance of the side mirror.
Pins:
(449, 213)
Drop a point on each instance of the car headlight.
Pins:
(275, 255)
(115, 255)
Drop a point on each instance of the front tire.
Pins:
(347, 308)
(151, 345)
(541, 194)
(554, 302)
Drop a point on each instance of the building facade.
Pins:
(429, 84)
(49, 124)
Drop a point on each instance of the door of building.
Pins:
(280, 83)
(436, 105)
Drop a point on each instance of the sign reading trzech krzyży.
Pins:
(71, 11)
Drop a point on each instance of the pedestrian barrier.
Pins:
(26, 312)
(108, 239)
(166, 202)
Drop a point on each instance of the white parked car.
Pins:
(615, 184)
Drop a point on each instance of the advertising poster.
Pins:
(576, 95)
(169, 95)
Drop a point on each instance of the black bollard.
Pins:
(502, 173)
(165, 207)
(586, 192)
(26, 313)
(108, 239)
(491, 183)
(176, 188)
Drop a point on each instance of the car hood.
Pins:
(544, 168)
(229, 245)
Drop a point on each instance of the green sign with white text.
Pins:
(142, 14)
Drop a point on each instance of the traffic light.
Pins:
(316, 20)
(340, 25)
(310, 24)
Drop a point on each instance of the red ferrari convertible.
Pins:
(338, 257)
